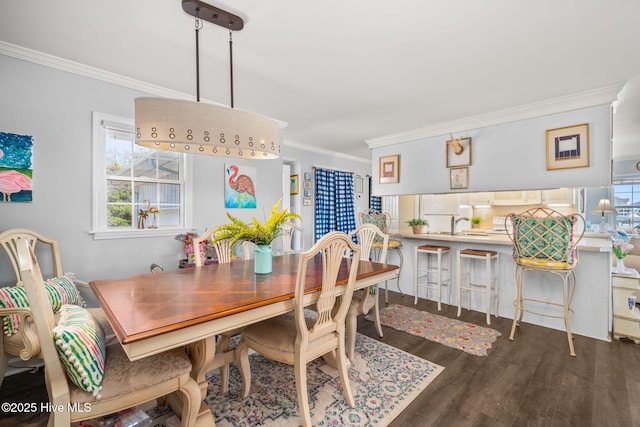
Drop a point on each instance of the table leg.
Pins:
(202, 353)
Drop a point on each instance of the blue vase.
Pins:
(262, 259)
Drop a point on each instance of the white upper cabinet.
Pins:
(481, 199)
(559, 196)
(515, 198)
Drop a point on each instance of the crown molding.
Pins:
(300, 146)
(592, 98)
(83, 70)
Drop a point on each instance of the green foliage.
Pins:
(417, 221)
(475, 220)
(255, 232)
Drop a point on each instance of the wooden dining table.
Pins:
(154, 312)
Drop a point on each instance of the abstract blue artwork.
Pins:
(16, 171)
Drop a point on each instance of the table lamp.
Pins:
(604, 207)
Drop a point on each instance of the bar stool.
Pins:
(427, 272)
(544, 240)
(489, 284)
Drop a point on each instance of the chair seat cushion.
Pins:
(122, 376)
(279, 333)
(393, 244)
(545, 263)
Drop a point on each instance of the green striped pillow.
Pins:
(61, 291)
(80, 342)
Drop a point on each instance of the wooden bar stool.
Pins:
(487, 286)
(423, 277)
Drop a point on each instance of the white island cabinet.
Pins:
(592, 300)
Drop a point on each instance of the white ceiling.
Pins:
(340, 72)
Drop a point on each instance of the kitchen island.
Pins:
(591, 301)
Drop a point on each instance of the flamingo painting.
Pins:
(15, 167)
(240, 189)
(12, 181)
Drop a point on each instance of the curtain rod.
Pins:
(333, 168)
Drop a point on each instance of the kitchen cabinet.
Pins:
(626, 322)
(505, 198)
(515, 198)
(482, 198)
(558, 196)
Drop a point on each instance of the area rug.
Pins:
(384, 380)
(470, 338)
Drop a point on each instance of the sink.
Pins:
(440, 233)
(473, 233)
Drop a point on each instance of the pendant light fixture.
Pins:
(200, 128)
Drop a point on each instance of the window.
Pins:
(627, 202)
(130, 179)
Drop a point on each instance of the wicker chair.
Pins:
(545, 240)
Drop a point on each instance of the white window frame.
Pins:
(99, 230)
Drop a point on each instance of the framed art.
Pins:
(568, 147)
(307, 176)
(458, 178)
(306, 202)
(358, 184)
(307, 184)
(389, 169)
(240, 186)
(458, 152)
(307, 193)
(294, 185)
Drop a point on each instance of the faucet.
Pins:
(455, 222)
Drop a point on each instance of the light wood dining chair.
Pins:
(22, 343)
(286, 238)
(297, 340)
(123, 384)
(224, 253)
(365, 299)
(382, 220)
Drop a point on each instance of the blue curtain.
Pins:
(335, 210)
(375, 203)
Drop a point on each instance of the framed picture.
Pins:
(458, 178)
(307, 184)
(306, 202)
(307, 193)
(358, 184)
(458, 152)
(568, 147)
(294, 185)
(389, 169)
(307, 176)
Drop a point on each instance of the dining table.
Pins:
(154, 312)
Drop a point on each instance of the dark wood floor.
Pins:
(531, 381)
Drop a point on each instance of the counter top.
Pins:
(586, 244)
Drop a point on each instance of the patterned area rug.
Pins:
(470, 338)
(384, 380)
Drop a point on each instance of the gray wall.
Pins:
(510, 156)
(55, 107)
